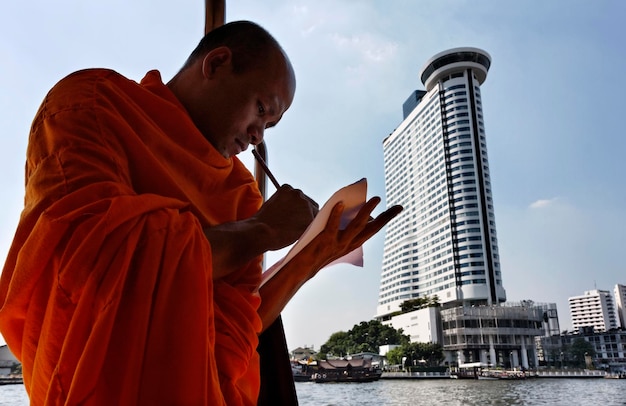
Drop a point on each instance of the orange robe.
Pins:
(107, 296)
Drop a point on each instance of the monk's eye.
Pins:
(261, 108)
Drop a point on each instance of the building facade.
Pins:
(444, 243)
(422, 326)
(595, 308)
(609, 350)
(501, 335)
(620, 304)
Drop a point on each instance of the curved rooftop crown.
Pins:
(455, 60)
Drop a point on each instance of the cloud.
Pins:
(369, 47)
(544, 203)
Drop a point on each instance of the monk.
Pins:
(134, 274)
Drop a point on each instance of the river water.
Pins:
(452, 392)
(449, 392)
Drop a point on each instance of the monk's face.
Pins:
(238, 107)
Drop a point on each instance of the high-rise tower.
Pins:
(444, 243)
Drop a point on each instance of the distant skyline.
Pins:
(553, 105)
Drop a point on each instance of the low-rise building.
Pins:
(497, 335)
(422, 325)
(501, 335)
(608, 349)
(303, 353)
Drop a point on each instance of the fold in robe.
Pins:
(107, 296)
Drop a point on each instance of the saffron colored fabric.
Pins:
(107, 295)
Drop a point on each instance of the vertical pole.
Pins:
(277, 385)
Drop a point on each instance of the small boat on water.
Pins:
(482, 371)
(468, 371)
(619, 375)
(487, 377)
(354, 370)
(11, 380)
(303, 370)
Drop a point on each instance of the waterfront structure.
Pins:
(551, 325)
(620, 304)
(493, 335)
(444, 243)
(609, 350)
(550, 343)
(595, 308)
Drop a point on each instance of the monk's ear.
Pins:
(215, 59)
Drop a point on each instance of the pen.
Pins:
(266, 169)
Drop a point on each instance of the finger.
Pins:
(384, 218)
(364, 214)
(334, 219)
(376, 225)
(359, 223)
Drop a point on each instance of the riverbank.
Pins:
(11, 380)
(415, 375)
(572, 374)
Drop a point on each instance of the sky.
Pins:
(553, 104)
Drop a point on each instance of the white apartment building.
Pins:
(620, 304)
(422, 326)
(444, 243)
(595, 308)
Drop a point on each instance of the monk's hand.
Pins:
(287, 213)
(333, 243)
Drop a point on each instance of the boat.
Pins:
(303, 370)
(478, 370)
(619, 375)
(354, 370)
(467, 371)
(11, 380)
(487, 377)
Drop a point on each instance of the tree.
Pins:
(578, 350)
(394, 357)
(423, 354)
(417, 354)
(419, 303)
(366, 336)
(336, 345)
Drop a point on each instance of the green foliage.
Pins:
(366, 336)
(577, 351)
(394, 357)
(416, 355)
(419, 303)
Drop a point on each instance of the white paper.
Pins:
(353, 197)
